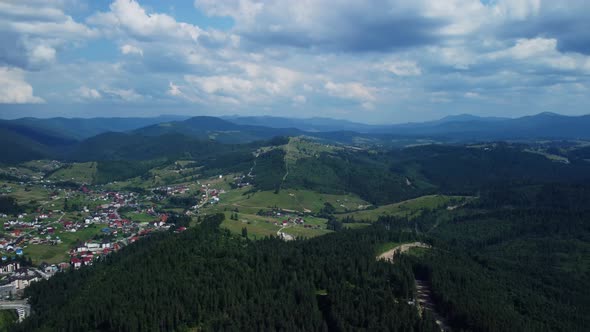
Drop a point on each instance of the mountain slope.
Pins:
(81, 128)
(311, 125)
(206, 127)
(21, 143)
(543, 125)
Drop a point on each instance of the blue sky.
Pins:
(379, 61)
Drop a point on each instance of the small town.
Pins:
(75, 225)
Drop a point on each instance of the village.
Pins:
(79, 226)
(69, 225)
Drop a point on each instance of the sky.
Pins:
(378, 61)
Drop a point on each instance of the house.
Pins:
(9, 267)
(76, 263)
(22, 278)
(51, 269)
(87, 260)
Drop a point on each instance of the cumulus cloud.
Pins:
(88, 93)
(32, 31)
(339, 25)
(351, 90)
(249, 82)
(544, 52)
(130, 49)
(331, 56)
(128, 16)
(15, 90)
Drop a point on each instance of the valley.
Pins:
(440, 212)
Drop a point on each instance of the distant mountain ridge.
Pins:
(61, 138)
(81, 128)
(207, 127)
(460, 127)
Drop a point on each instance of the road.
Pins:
(22, 308)
(390, 254)
(423, 290)
(425, 303)
(285, 236)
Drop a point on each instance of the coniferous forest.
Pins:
(517, 267)
(208, 279)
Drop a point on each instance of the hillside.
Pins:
(382, 176)
(82, 128)
(22, 143)
(204, 127)
(540, 126)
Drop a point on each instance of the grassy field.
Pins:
(7, 319)
(25, 194)
(259, 227)
(301, 147)
(409, 208)
(77, 172)
(138, 217)
(301, 232)
(290, 199)
(59, 253)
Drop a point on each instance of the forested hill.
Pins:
(206, 127)
(513, 260)
(56, 138)
(386, 176)
(207, 279)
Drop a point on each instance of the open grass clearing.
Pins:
(410, 208)
(76, 172)
(290, 199)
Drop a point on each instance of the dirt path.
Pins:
(423, 290)
(390, 254)
(285, 236)
(425, 303)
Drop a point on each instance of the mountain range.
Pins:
(32, 138)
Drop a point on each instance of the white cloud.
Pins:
(352, 90)
(542, 52)
(222, 84)
(403, 68)
(15, 90)
(129, 17)
(88, 93)
(174, 90)
(517, 9)
(248, 82)
(33, 32)
(42, 55)
(526, 48)
(130, 49)
(123, 94)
